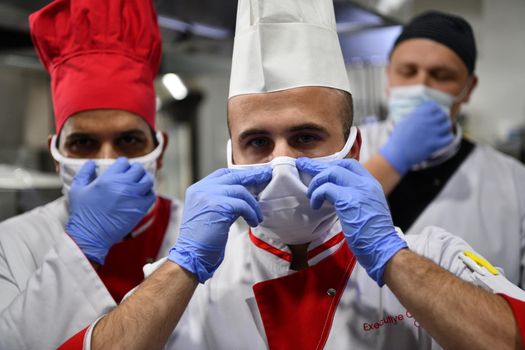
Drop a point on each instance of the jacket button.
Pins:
(331, 292)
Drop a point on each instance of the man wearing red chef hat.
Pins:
(66, 263)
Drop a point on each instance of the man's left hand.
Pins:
(361, 207)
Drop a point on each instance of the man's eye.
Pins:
(306, 139)
(131, 143)
(81, 147)
(258, 143)
(406, 71)
(80, 144)
(129, 140)
(443, 76)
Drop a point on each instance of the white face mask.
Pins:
(68, 167)
(288, 217)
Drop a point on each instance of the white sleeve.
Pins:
(519, 180)
(444, 249)
(60, 298)
(489, 278)
(455, 255)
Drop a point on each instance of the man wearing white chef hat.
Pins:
(310, 272)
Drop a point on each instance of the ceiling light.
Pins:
(175, 86)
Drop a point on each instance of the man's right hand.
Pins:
(211, 207)
(103, 210)
(416, 137)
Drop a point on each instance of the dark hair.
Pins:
(347, 113)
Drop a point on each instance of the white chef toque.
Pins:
(284, 44)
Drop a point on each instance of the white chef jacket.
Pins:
(483, 202)
(48, 288)
(223, 313)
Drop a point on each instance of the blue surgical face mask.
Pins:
(405, 99)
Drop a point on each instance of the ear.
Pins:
(473, 84)
(49, 138)
(356, 147)
(164, 146)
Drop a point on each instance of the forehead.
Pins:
(426, 53)
(103, 121)
(282, 109)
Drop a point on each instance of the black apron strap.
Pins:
(418, 188)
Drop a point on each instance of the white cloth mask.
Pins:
(69, 167)
(287, 215)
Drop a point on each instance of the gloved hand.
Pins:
(416, 137)
(361, 206)
(211, 207)
(103, 210)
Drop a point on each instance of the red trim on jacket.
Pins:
(269, 248)
(518, 309)
(335, 240)
(76, 342)
(287, 256)
(297, 310)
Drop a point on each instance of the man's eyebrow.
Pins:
(132, 132)
(446, 68)
(308, 127)
(80, 134)
(302, 127)
(77, 135)
(251, 132)
(442, 66)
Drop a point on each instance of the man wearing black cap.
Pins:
(431, 173)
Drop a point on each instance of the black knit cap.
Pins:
(452, 31)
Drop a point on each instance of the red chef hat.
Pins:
(100, 54)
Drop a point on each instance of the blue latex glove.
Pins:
(211, 207)
(361, 207)
(103, 210)
(416, 137)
